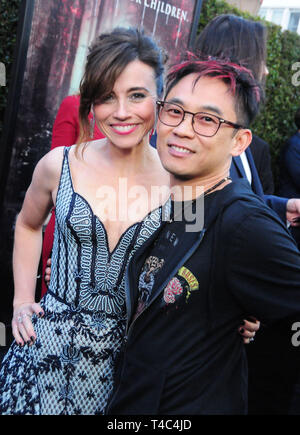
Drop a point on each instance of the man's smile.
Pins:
(179, 150)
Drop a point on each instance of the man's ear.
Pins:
(242, 140)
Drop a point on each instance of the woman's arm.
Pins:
(28, 243)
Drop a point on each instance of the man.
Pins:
(181, 352)
(290, 169)
(290, 163)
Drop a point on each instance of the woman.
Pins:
(67, 363)
(64, 364)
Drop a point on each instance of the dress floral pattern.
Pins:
(69, 370)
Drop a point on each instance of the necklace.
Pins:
(219, 183)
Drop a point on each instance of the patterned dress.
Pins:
(70, 368)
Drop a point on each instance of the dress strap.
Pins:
(65, 187)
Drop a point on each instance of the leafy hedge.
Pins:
(275, 124)
(276, 121)
(9, 10)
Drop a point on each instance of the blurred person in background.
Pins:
(290, 169)
(271, 381)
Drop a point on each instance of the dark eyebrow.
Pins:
(213, 109)
(138, 89)
(176, 101)
(203, 108)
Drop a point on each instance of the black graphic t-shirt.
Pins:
(171, 238)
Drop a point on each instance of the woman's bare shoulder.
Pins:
(49, 166)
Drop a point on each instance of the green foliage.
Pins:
(276, 121)
(9, 10)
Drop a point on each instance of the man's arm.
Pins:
(263, 268)
(292, 160)
(278, 204)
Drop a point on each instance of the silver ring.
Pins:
(251, 339)
(22, 316)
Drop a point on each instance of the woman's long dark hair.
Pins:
(108, 56)
(235, 38)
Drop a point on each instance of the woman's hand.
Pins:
(48, 272)
(22, 327)
(248, 329)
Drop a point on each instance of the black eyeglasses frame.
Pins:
(160, 105)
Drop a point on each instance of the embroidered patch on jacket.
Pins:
(146, 281)
(190, 278)
(184, 281)
(173, 289)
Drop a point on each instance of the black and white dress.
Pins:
(70, 368)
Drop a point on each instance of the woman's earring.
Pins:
(92, 123)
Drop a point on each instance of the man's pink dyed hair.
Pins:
(243, 86)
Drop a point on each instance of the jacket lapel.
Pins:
(237, 169)
(134, 269)
(256, 183)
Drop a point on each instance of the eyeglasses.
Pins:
(204, 124)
